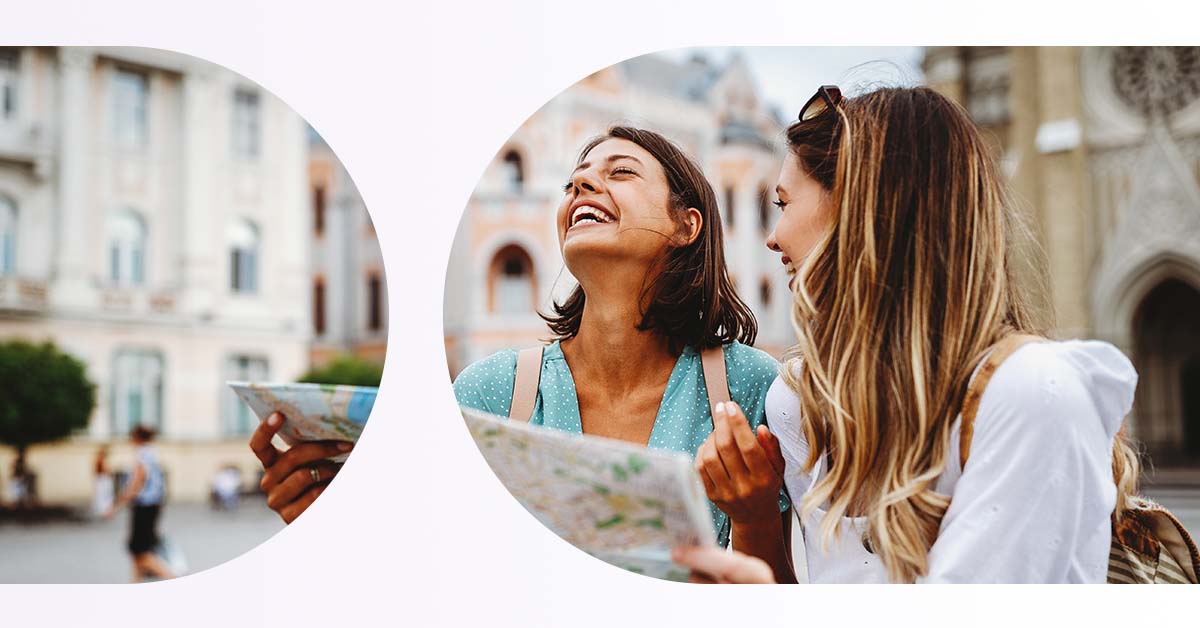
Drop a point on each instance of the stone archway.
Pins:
(1166, 352)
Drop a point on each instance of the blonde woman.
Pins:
(897, 231)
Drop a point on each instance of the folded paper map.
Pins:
(311, 411)
(622, 503)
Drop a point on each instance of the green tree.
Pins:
(44, 394)
(346, 369)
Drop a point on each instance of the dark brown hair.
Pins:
(690, 300)
(142, 433)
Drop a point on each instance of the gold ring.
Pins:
(315, 473)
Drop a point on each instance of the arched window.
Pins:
(764, 208)
(514, 171)
(511, 283)
(137, 390)
(127, 249)
(243, 257)
(8, 236)
(729, 207)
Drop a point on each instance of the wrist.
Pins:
(756, 521)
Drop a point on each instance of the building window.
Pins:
(239, 419)
(319, 306)
(511, 281)
(514, 171)
(127, 249)
(374, 302)
(137, 390)
(247, 123)
(129, 109)
(764, 208)
(729, 207)
(8, 237)
(9, 76)
(243, 257)
(319, 209)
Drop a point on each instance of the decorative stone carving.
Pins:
(1157, 80)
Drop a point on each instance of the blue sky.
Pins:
(788, 76)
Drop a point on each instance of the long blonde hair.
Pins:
(895, 307)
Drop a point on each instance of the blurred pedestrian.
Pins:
(145, 491)
(226, 488)
(104, 493)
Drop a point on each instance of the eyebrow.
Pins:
(611, 158)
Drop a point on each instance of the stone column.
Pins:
(78, 224)
(200, 240)
(1062, 193)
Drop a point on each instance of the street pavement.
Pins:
(94, 551)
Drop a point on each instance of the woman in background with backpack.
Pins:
(928, 433)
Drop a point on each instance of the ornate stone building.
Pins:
(153, 224)
(506, 265)
(1103, 149)
(349, 290)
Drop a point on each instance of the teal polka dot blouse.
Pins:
(684, 420)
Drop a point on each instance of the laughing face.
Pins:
(616, 209)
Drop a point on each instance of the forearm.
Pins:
(766, 540)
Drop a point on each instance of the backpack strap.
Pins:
(525, 384)
(1000, 352)
(712, 360)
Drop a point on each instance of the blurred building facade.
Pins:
(349, 290)
(505, 265)
(1102, 146)
(153, 223)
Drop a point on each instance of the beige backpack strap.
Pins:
(1000, 352)
(712, 360)
(525, 385)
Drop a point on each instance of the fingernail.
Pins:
(720, 407)
(273, 420)
(345, 446)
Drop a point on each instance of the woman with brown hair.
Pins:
(639, 228)
(898, 233)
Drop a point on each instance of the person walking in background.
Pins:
(145, 491)
(102, 500)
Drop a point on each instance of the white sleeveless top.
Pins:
(1034, 501)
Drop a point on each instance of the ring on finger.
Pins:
(315, 473)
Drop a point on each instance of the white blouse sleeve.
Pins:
(1034, 499)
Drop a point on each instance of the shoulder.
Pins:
(749, 373)
(747, 366)
(1053, 389)
(487, 384)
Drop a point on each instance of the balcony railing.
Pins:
(21, 294)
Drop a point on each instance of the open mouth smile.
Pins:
(587, 214)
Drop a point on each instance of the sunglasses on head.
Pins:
(827, 97)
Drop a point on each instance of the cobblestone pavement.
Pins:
(94, 551)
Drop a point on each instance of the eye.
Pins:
(568, 186)
(622, 170)
(780, 204)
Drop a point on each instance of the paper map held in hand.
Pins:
(311, 411)
(622, 503)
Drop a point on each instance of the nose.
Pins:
(772, 244)
(584, 180)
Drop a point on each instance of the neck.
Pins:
(610, 349)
